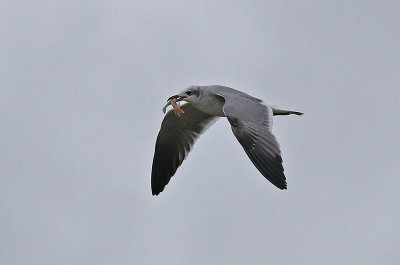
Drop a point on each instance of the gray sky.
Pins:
(82, 84)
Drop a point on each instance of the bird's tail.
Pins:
(285, 112)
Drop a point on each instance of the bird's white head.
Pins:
(190, 94)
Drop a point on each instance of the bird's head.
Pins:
(190, 94)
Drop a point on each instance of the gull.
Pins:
(251, 123)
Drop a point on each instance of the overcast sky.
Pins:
(82, 84)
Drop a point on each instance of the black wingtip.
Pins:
(280, 185)
(155, 191)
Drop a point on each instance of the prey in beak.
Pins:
(173, 101)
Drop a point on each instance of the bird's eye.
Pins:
(189, 92)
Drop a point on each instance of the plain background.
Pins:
(82, 84)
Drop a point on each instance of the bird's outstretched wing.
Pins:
(251, 123)
(174, 142)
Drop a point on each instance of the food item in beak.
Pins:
(164, 109)
(177, 109)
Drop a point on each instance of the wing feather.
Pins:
(251, 123)
(175, 139)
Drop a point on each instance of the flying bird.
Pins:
(251, 123)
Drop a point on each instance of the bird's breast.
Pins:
(211, 105)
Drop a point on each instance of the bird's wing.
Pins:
(174, 142)
(251, 123)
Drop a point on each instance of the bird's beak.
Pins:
(177, 97)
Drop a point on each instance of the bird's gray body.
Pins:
(251, 122)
